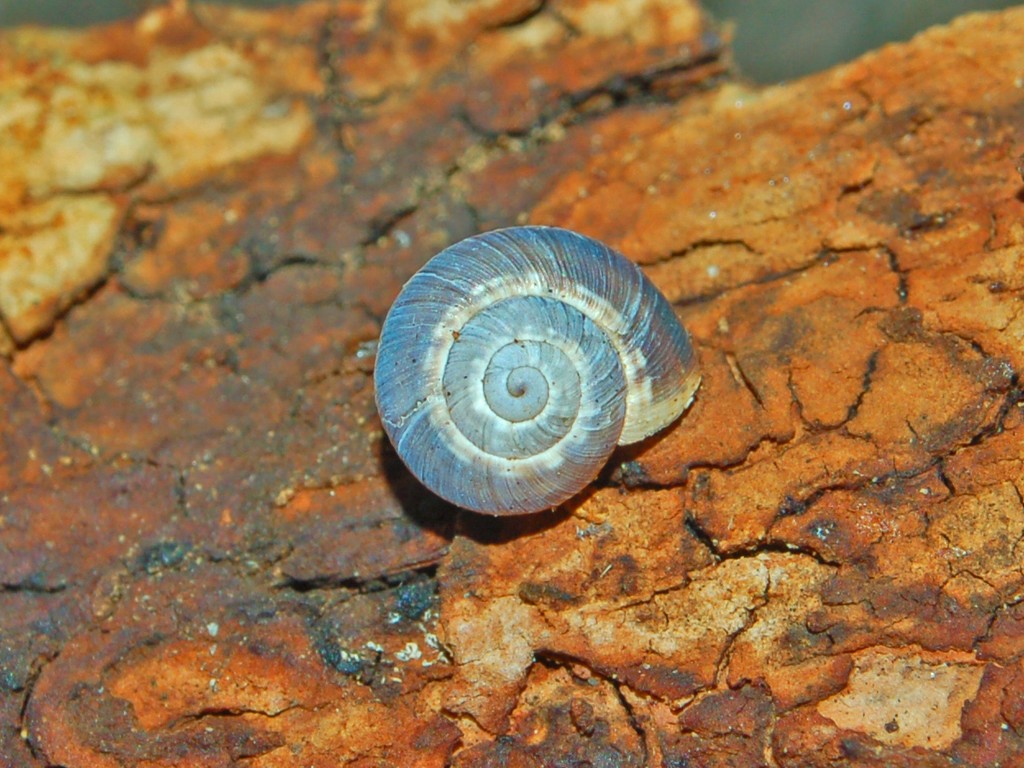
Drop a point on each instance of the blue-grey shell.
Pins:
(511, 365)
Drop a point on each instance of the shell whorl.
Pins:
(511, 365)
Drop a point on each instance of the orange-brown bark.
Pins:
(210, 555)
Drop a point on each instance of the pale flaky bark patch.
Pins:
(910, 699)
(75, 136)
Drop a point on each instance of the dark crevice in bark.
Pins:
(702, 244)
(259, 272)
(32, 587)
(926, 222)
(765, 279)
(695, 529)
(742, 378)
(869, 372)
(852, 189)
(525, 15)
(940, 471)
(36, 671)
(1014, 399)
(573, 108)
(357, 585)
(634, 721)
(383, 227)
(902, 292)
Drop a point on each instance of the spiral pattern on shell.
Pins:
(511, 365)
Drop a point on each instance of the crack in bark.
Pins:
(32, 587)
(702, 244)
(383, 227)
(859, 186)
(741, 378)
(869, 372)
(36, 670)
(902, 290)
(727, 464)
(526, 15)
(216, 713)
(955, 571)
(764, 546)
(634, 721)
(791, 386)
(357, 584)
(822, 258)
(940, 467)
(722, 665)
(1013, 399)
(993, 617)
(641, 87)
(698, 532)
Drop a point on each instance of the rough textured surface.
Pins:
(209, 555)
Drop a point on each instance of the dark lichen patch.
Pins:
(163, 555)
(414, 598)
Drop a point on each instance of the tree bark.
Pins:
(209, 554)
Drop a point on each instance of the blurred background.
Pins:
(782, 39)
(775, 39)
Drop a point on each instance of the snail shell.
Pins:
(511, 365)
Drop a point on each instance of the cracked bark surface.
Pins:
(208, 553)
